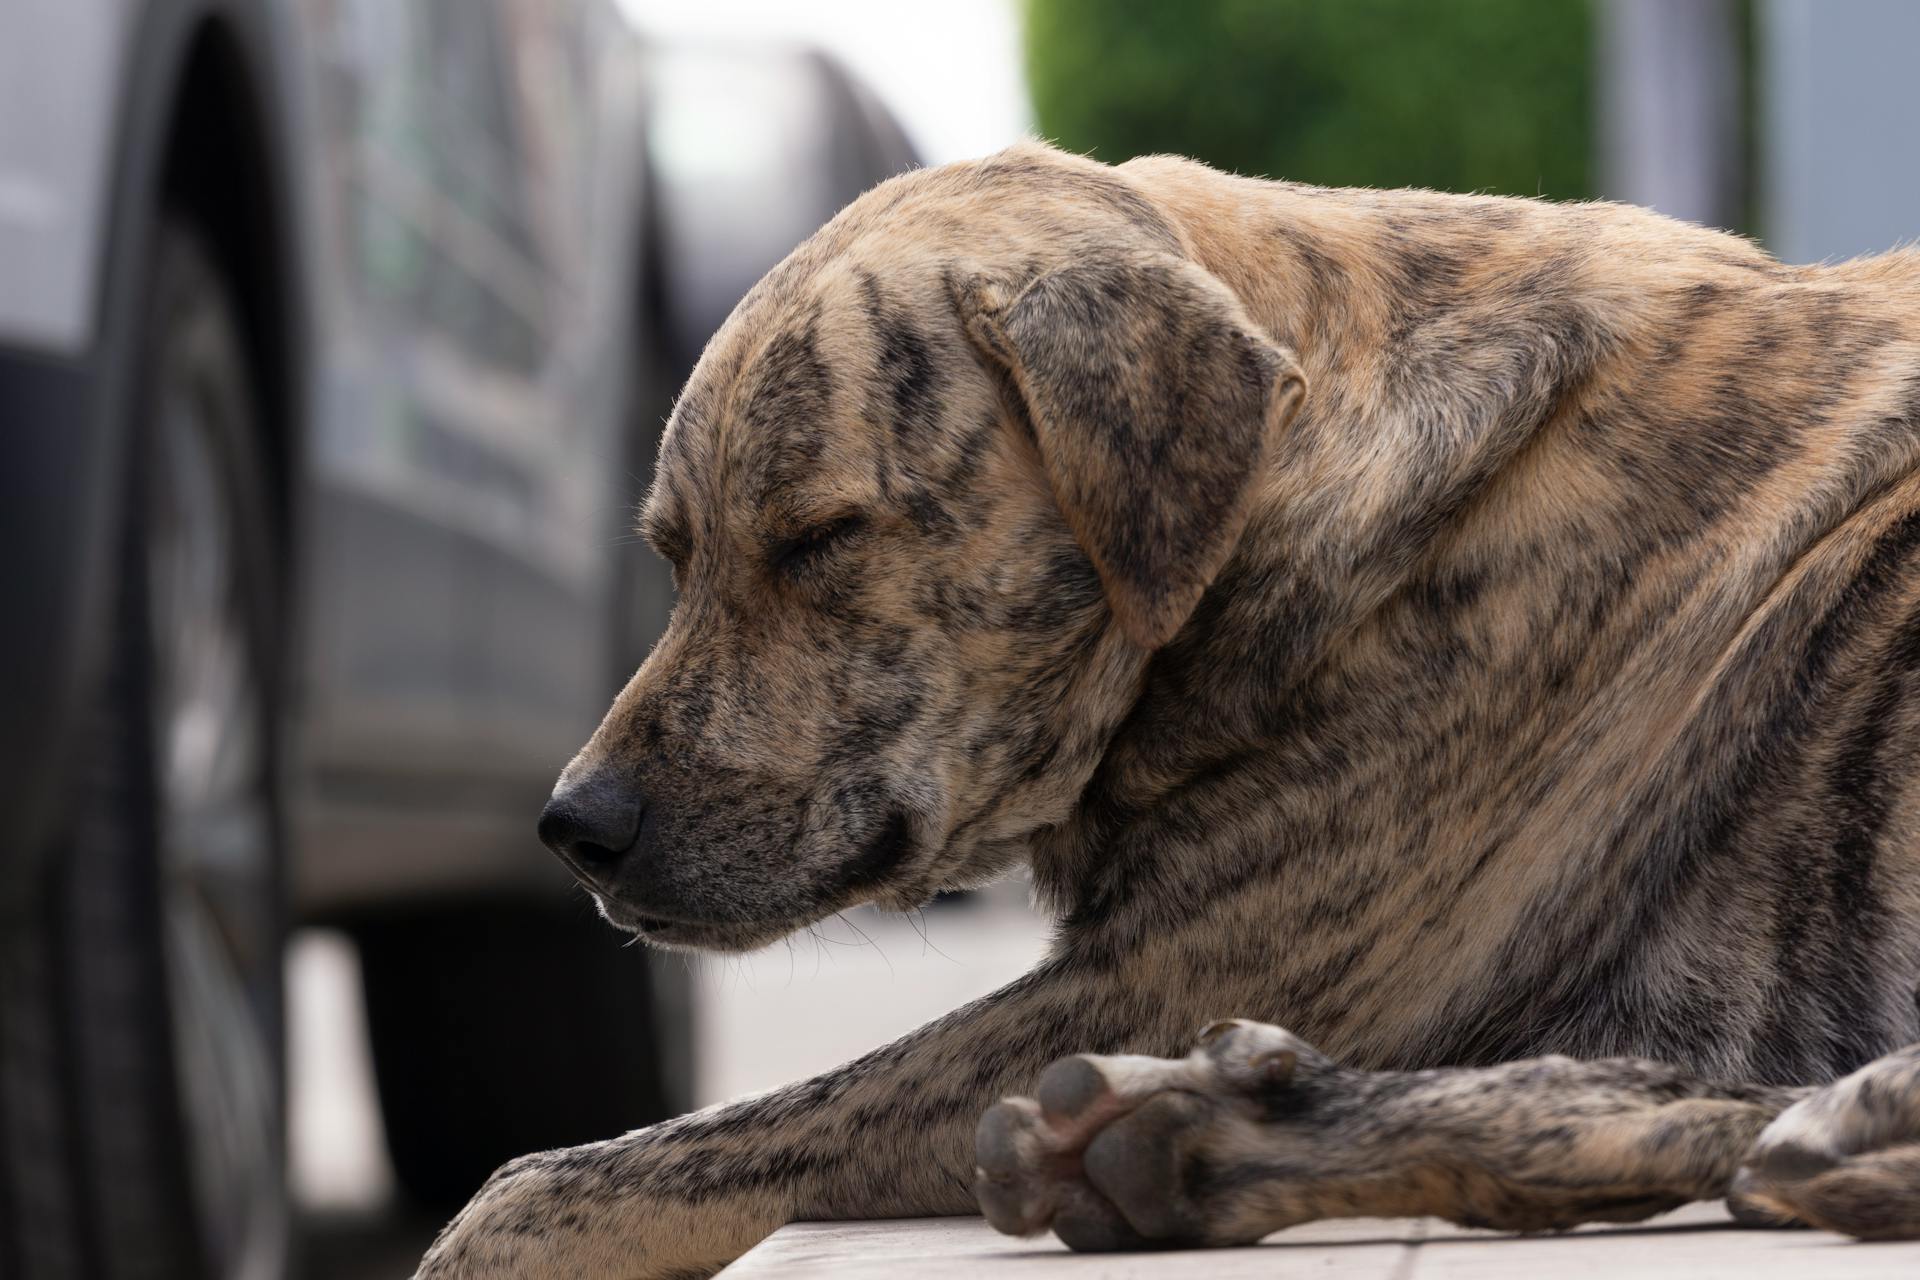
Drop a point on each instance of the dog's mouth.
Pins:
(692, 935)
(864, 876)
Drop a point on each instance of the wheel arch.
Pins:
(186, 64)
(222, 165)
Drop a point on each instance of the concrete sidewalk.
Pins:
(1695, 1243)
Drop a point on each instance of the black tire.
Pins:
(141, 1109)
(504, 1028)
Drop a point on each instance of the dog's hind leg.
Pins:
(1255, 1131)
(1847, 1158)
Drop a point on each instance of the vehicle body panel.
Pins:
(55, 173)
(474, 223)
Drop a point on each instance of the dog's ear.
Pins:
(1154, 400)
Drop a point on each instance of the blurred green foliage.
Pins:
(1461, 95)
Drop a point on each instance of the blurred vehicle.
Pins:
(335, 336)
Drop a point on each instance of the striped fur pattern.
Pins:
(1458, 629)
(1255, 1131)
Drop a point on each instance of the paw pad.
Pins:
(1099, 1152)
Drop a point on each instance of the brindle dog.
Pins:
(1543, 679)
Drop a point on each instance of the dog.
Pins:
(1459, 628)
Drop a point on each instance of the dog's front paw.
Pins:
(1846, 1158)
(1255, 1131)
(1127, 1152)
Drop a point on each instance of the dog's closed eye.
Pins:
(813, 544)
(669, 539)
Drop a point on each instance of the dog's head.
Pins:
(934, 493)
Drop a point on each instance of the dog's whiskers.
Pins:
(918, 919)
(842, 917)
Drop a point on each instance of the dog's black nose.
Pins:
(591, 823)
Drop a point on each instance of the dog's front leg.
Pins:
(888, 1135)
(1255, 1130)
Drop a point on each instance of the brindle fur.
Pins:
(1539, 679)
(1255, 1131)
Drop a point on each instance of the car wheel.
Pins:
(509, 1027)
(140, 1064)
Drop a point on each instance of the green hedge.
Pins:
(1462, 95)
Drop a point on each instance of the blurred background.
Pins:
(335, 340)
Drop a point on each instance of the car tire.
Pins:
(501, 1028)
(141, 1108)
